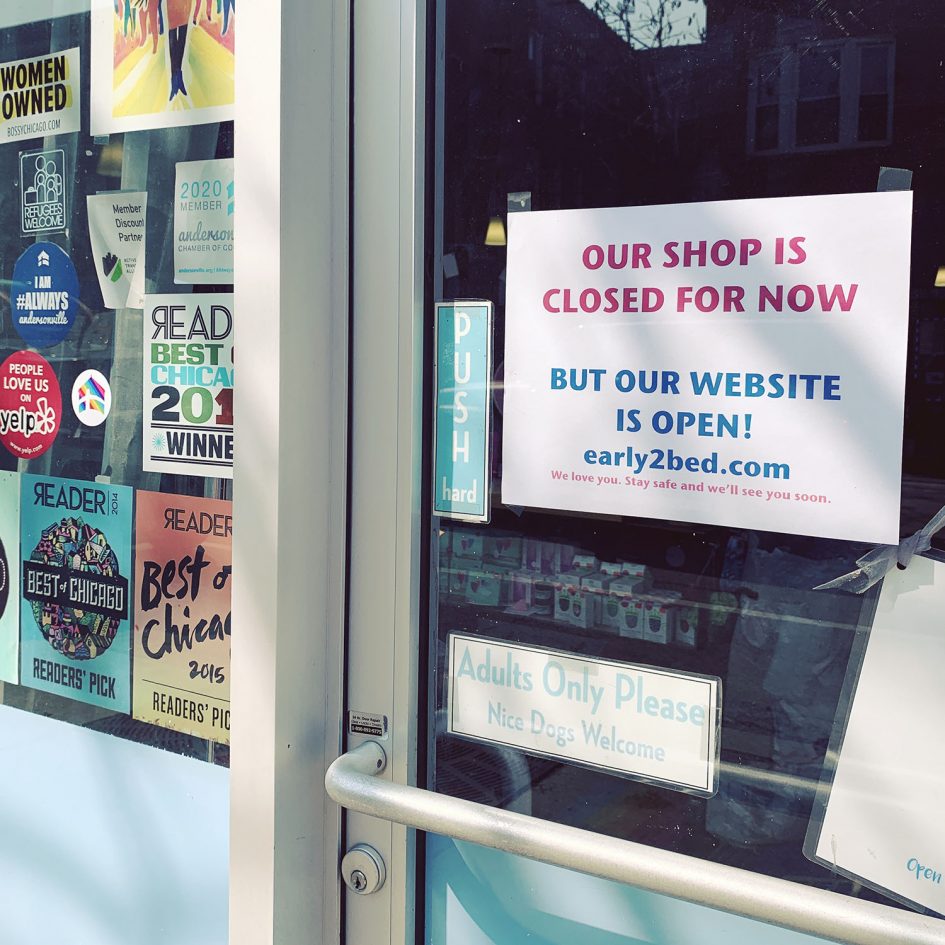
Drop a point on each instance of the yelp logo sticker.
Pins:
(30, 404)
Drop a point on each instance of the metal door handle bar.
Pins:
(352, 782)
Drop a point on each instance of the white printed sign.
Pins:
(634, 720)
(40, 96)
(736, 363)
(203, 222)
(883, 819)
(117, 229)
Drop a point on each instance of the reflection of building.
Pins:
(568, 111)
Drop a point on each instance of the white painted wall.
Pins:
(107, 842)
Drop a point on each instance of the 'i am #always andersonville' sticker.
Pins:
(9, 580)
(183, 560)
(644, 723)
(75, 544)
(188, 384)
(40, 96)
(44, 295)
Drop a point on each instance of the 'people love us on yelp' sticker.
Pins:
(30, 404)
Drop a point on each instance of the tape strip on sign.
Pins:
(637, 721)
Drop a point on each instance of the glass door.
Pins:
(636, 639)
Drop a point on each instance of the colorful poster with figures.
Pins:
(161, 63)
(188, 384)
(203, 222)
(9, 580)
(40, 96)
(75, 548)
(183, 558)
(738, 363)
(117, 229)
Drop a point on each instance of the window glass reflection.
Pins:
(594, 105)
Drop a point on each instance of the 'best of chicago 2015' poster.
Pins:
(182, 613)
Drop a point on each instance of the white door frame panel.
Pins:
(290, 412)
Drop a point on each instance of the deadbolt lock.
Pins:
(363, 870)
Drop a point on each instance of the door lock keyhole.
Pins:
(363, 869)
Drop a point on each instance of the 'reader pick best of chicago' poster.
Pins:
(161, 63)
(183, 560)
(9, 580)
(75, 551)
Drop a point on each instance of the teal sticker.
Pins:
(461, 482)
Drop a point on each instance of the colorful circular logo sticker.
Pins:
(30, 404)
(91, 398)
(44, 295)
(75, 565)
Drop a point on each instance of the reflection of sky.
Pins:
(653, 23)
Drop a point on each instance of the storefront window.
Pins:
(116, 347)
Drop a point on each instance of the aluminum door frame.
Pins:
(387, 528)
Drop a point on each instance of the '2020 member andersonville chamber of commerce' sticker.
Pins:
(30, 404)
(44, 295)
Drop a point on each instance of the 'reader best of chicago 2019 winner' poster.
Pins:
(188, 384)
(183, 559)
(75, 550)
